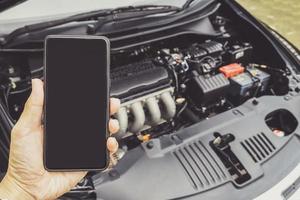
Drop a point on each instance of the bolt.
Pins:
(113, 173)
(287, 98)
(150, 145)
(183, 86)
(255, 102)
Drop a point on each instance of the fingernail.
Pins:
(34, 83)
(112, 140)
(114, 125)
(112, 144)
(34, 80)
(33, 87)
(114, 122)
(115, 101)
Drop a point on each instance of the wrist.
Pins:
(11, 190)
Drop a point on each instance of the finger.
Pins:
(32, 113)
(113, 126)
(114, 105)
(113, 160)
(112, 145)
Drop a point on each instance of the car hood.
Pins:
(26, 13)
(5, 4)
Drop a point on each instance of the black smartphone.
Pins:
(76, 113)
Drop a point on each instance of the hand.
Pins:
(26, 177)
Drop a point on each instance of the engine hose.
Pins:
(139, 117)
(154, 110)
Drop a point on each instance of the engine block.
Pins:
(146, 94)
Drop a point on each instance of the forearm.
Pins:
(10, 190)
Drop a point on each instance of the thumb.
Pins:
(32, 113)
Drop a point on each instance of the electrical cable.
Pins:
(19, 91)
(37, 70)
(181, 109)
(172, 68)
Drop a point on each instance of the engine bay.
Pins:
(177, 87)
(166, 87)
(206, 102)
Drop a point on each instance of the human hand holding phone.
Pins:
(26, 177)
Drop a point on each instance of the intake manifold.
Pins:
(144, 112)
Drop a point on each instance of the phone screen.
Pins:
(76, 102)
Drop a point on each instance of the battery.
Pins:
(251, 80)
(262, 76)
(241, 85)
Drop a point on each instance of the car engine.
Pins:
(166, 87)
(176, 87)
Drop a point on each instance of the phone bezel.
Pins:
(84, 37)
